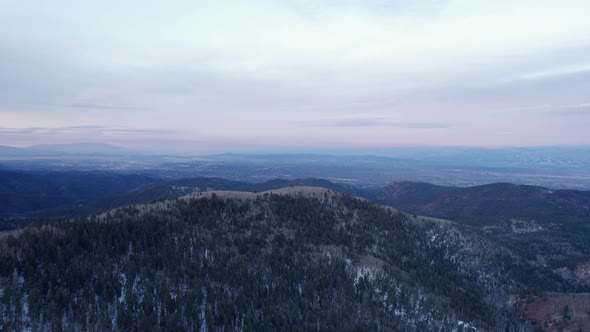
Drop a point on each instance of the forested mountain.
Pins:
(477, 204)
(551, 227)
(24, 192)
(296, 259)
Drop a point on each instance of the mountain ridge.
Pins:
(489, 200)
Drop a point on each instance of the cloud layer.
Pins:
(296, 73)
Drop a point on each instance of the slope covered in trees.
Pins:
(478, 204)
(24, 192)
(548, 226)
(299, 261)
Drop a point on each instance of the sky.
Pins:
(295, 74)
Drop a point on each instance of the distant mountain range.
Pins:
(81, 192)
(478, 203)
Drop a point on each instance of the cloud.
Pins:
(105, 107)
(318, 9)
(364, 121)
(555, 72)
(221, 69)
(82, 131)
(569, 110)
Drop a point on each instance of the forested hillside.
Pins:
(25, 192)
(551, 227)
(300, 260)
(483, 204)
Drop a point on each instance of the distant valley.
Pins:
(557, 168)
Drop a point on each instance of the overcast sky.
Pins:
(287, 73)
